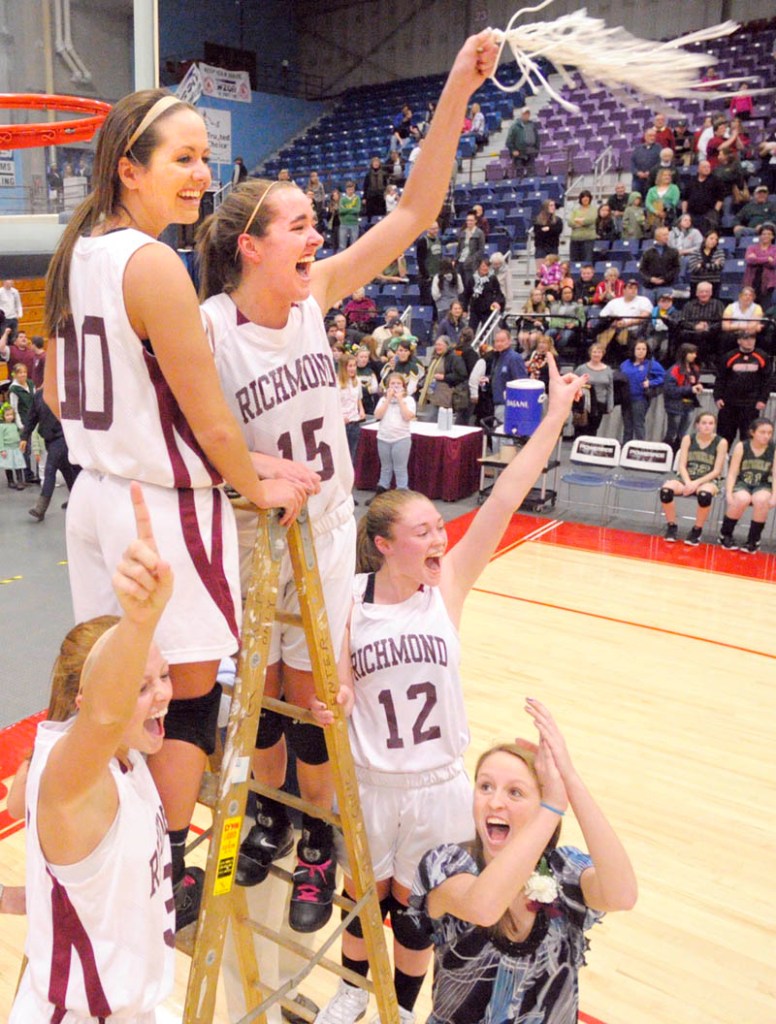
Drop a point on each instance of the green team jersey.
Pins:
(700, 461)
(756, 470)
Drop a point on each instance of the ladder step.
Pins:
(303, 953)
(294, 801)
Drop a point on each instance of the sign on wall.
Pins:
(219, 133)
(225, 85)
(7, 169)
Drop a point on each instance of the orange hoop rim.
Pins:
(54, 133)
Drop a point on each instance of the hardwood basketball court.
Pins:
(659, 662)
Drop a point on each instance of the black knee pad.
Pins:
(704, 499)
(410, 930)
(666, 495)
(272, 727)
(194, 721)
(307, 742)
(354, 928)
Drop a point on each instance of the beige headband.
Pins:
(151, 115)
(252, 217)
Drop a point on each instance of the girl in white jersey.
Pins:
(99, 889)
(265, 303)
(130, 374)
(408, 723)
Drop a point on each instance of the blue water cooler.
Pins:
(523, 412)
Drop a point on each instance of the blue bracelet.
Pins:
(554, 810)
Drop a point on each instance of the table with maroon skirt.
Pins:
(443, 464)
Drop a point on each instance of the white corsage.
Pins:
(541, 888)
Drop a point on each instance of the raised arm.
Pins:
(463, 565)
(78, 799)
(426, 187)
(611, 882)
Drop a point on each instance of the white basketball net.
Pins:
(610, 57)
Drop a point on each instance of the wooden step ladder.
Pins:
(222, 901)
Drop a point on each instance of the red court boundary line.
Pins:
(624, 622)
(624, 544)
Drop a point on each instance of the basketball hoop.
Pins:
(54, 133)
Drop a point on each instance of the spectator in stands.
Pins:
(702, 197)
(466, 351)
(732, 179)
(743, 316)
(524, 143)
(447, 380)
(360, 311)
(582, 220)
(644, 157)
(349, 212)
(667, 162)
(315, 185)
(508, 366)
(395, 168)
(536, 364)
(383, 334)
(19, 351)
(684, 237)
(429, 252)
(400, 129)
(392, 197)
(760, 210)
(645, 376)
(681, 391)
(700, 322)
(760, 273)
(395, 272)
(723, 140)
(701, 460)
(480, 393)
(547, 228)
(478, 127)
(11, 307)
(610, 288)
(373, 188)
(617, 203)
(482, 221)
(471, 246)
(707, 263)
(665, 324)
(483, 295)
(664, 136)
(499, 267)
(662, 202)
(568, 319)
(455, 321)
(369, 371)
(767, 153)
(239, 172)
(634, 219)
(404, 362)
(659, 267)
(703, 136)
(331, 220)
(533, 321)
(586, 284)
(628, 319)
(605, 224)
(742, 387)
(597, 397)
(741, 105)
(284, 174)
(549, 273)
(683, 144)
(446, 288)
(751, 480)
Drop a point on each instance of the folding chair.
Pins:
(593, 462)
(643, 467)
